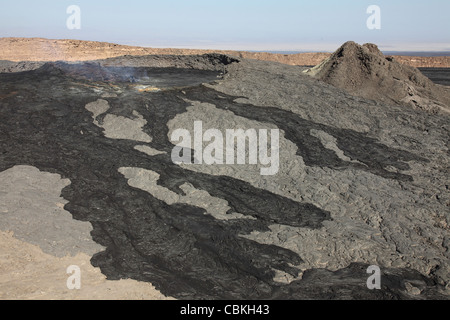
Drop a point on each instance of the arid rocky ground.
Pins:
(38, 49)
(87, 179)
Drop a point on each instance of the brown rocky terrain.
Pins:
(39, 49)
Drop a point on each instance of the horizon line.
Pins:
(276, 48)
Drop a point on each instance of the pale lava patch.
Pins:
(39, 240)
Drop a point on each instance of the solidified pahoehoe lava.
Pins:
(178, 247)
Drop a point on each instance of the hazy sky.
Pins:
(291, 25)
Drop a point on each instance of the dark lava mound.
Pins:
(365, 72)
